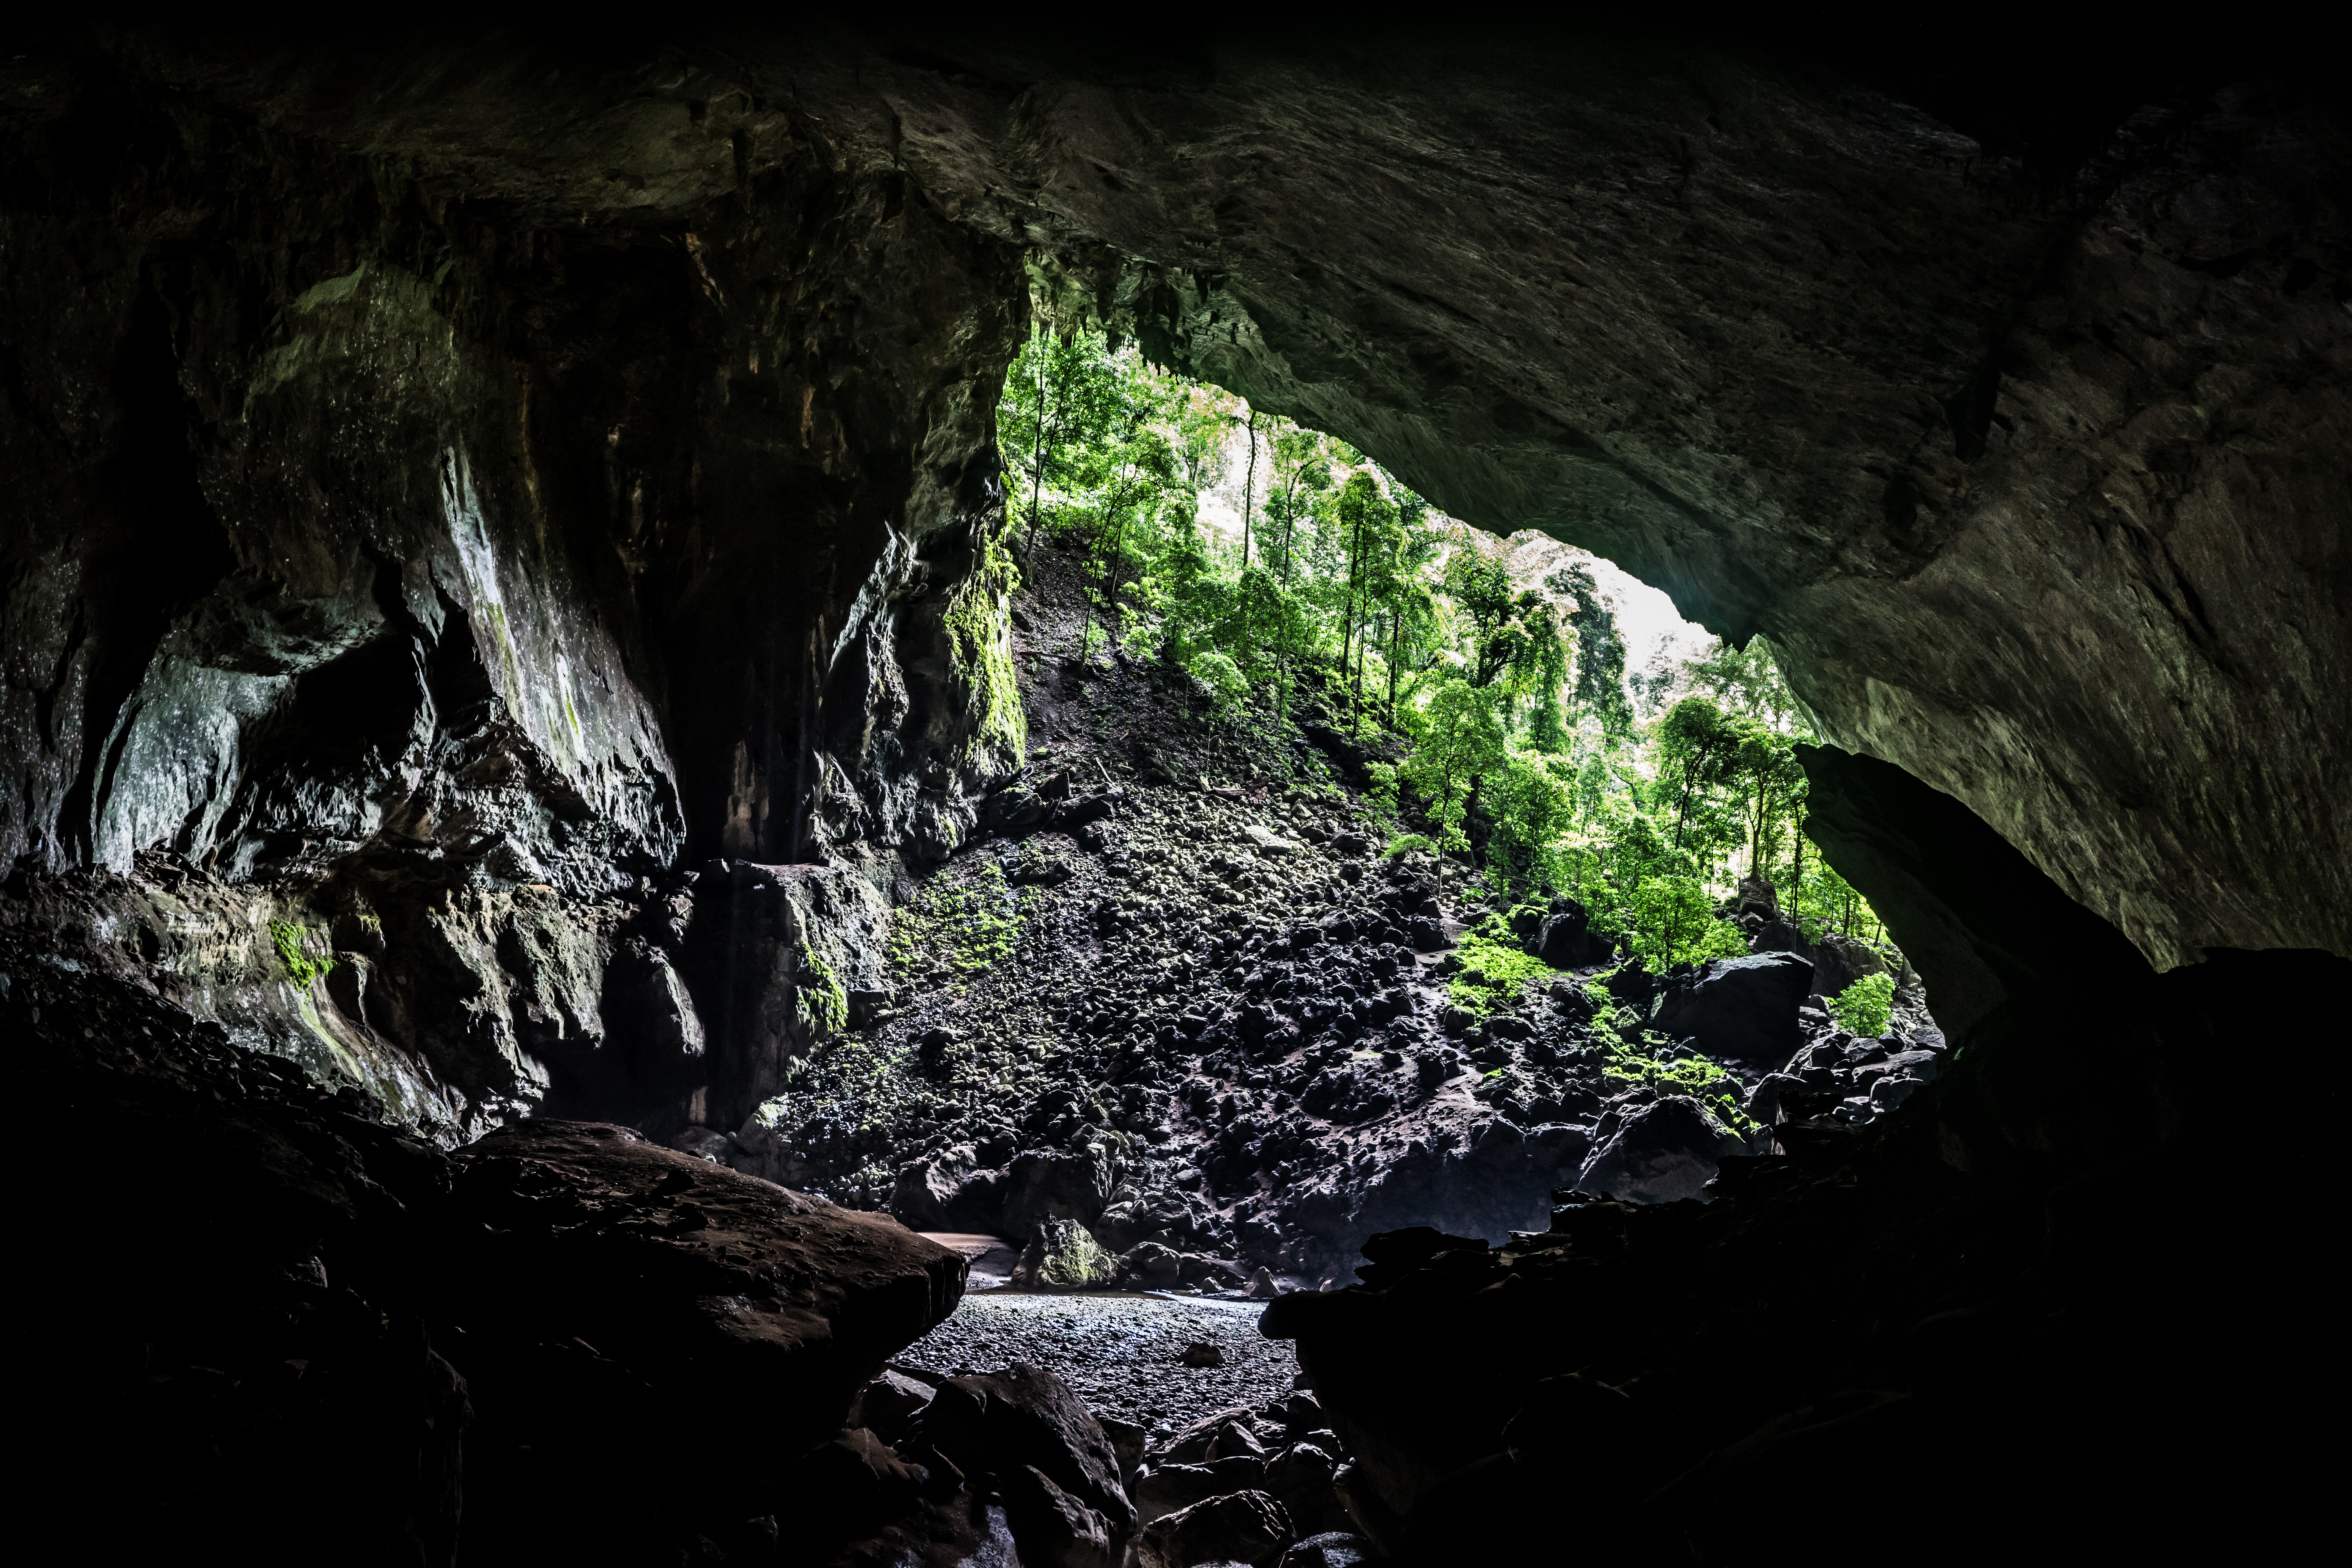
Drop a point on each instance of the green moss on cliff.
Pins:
(962, 927)
(301, 967)
(821, 998)
(980, 651)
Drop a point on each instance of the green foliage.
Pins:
(1865, 1006)
(958, 927)
(981, 651)
(1599, 651)
(301, 967)
(1458, 739)
(1342, 585)
(819, 998)
(1493, 968)
(1650, 1059)
(1529, 799)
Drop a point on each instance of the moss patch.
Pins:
(958, 927)
(1642, 1061)
(301, 967)
(1493, 968)
(980, 651)
(823, 1001)
(1071, 1259)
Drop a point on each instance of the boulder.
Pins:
(1041, 1186)
(1915, 1064)
(1170, 1488)
(1016, 805)
(1567, 941)
(1838, 962)
(854, 1482)
(1631, 984)
(1127, 1440)
(956, 1530)
(1743, 1009)
(1024, 1417)
(1661, 1153)
(1191, 1446)
(938, 1194)
(1053, 1528)
(605, 1279)
(1889, 1092)
(889, 1403)
(1151, 1266)
(1269, 842)
(1239, 1527)
(1063, 1256)
(1764, 1101)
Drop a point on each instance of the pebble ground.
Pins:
(1118, 1351)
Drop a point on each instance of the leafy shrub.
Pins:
(1645, 1062)
(1493, 969)
(1865, 1006)
(1223, 676)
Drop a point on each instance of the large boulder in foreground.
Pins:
(605, 1286)
(1741, 1008)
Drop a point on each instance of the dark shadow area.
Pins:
(2070, 1283)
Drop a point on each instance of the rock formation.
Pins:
(504, 574)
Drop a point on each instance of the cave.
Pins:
(507, 587)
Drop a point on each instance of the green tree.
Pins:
(1062, 393)
(1600, 650)
(1457, 740)
(1696, 749)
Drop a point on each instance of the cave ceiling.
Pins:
(2034, 482)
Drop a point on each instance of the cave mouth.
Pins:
(1195, 1006)
(512, 580)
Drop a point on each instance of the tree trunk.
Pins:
(1249, 482)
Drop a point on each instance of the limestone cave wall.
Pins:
(434, 525)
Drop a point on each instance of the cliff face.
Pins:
(455, 489)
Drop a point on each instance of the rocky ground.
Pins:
(1124, 1354)
(1171, 1020)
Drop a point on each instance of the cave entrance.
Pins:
(1368, 873)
